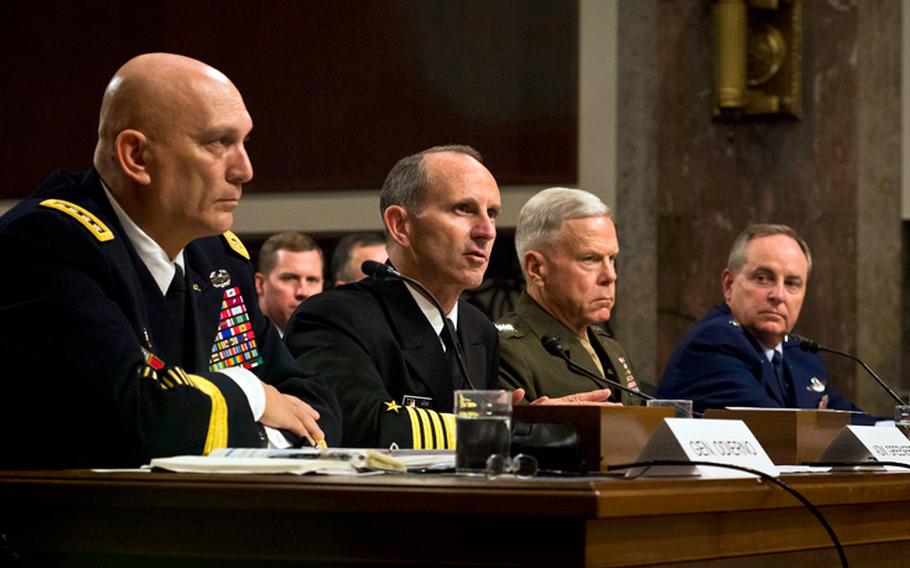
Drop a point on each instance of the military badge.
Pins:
(152, 360)
(392, 406)
(220, 278)
(235, 341)
(416, 401)
(815, 385)
(236, 244)
(98, 229)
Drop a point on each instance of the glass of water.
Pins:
(902, 419)
(482, 428)
(682, 408)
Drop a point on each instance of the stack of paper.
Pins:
(307, 460)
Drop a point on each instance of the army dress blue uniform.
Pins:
(93, 373)
(720, 364)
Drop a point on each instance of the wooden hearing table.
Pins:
(81, 518)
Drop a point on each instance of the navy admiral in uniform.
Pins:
(567, 245)
(740, 354)
(381, 344)
(132, 320)
(378, 343)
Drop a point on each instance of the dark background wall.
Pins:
(338, 90)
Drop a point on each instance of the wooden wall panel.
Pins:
(338, 90)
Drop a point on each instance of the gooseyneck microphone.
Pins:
(813, 347)
(381, 271)
(555, 347)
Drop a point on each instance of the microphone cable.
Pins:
(799, 496)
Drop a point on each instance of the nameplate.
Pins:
(704, 440)
(868, 444)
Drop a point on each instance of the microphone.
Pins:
(812, 347)
(554, 347)
(381, 271)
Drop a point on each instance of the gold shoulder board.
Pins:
(235, 243)
(88, 220)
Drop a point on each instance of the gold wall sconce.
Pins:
(757, 58)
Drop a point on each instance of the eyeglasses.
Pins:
(521, 466)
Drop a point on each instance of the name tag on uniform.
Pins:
(416, 401)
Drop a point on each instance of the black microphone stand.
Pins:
(813, 347)
(554, 347)
(382, 271)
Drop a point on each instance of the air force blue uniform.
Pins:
(720, 364)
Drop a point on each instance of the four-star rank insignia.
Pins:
(235, 341)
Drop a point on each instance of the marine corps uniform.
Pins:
(525, 363)
(92, 375)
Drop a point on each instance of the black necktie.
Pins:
(451, 358)
(781, 373)
(176, 300)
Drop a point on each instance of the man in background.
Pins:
(352, 251)
(290, 271)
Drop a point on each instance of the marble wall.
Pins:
(834, 175)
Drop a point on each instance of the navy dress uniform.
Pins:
(720, 364)
(374, 345)
(95, 372)
(525, 363)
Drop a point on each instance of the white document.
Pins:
(334, 461)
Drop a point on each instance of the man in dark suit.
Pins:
(290, 271)
(380, 344)
(740, 354)
(132, 321)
